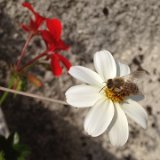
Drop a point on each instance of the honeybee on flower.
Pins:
(111, 93)
(121, 87)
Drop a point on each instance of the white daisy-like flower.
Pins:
(108, 110)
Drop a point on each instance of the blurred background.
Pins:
(130, 29)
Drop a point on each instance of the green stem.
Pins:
(5, 94)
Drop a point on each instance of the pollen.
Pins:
(113, 96)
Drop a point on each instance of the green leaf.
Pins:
(22, 149)
(2, 156)
(5, 94)
(12, 149)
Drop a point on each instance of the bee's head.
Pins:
(110, 83)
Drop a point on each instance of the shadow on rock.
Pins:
(48, 134)
(10, 38)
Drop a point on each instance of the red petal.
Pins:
(33, 25)
(52, 47)
(62, 46)
(46, 37)
(29, 6)
(55, 65)
(38, 18)
(55, 27)
(65, 61)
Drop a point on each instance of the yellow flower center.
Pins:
(113, 95)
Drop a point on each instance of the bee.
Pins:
(126, 85)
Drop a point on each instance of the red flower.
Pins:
(54, 43)
(56, 60)
(52, 36)
(35, 23)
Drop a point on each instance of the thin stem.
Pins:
(32, 95)
(5, 94)
(23, 50)
(32, 61)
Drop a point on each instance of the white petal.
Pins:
(118, 130)
(105, 64)
(136, 112)
(86, 75)
(122, 69)
(99, 118)
(82, 95)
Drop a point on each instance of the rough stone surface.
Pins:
(130, 30)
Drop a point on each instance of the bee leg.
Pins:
(102, 89)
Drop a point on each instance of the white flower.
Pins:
(107, 113)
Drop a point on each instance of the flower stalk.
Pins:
(23, 51)
(32, 95)
(32, 61)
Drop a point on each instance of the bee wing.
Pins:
(134, 76)
(137, 78)
(137, 97)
